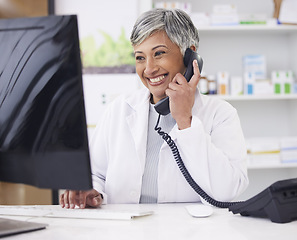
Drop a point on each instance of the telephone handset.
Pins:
(162, 107)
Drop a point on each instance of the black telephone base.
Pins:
(277, 202)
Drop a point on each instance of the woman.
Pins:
(131, 163)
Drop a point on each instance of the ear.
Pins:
(193, 48)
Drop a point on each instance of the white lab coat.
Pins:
(212, 149)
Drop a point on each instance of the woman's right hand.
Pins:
(82, 199)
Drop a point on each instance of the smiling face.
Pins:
(158, 60)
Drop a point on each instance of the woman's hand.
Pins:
(82, 199)
(182, 96)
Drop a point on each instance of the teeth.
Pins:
(158, 79)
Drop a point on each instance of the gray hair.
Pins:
(175, 22)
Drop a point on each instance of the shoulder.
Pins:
(214, 102)
(213, 107)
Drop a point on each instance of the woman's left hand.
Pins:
(182, 96)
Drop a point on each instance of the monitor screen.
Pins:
(43, 132)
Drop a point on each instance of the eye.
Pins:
(159, 53)
(139, 58)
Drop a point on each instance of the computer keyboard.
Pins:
(59, 212)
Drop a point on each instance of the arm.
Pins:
(213, 150)
(99, 154)
(96, 196)
(212, 132)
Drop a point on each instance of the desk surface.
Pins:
(169, 221)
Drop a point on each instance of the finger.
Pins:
(196, 76)
(173, 86)
(97, 201)
(180, 79)
(66, 199)
(72, 198)
(94, 199)
(196, 67)
(82, 199)
(177, 81)
(61, 200)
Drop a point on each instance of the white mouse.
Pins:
(199, 210)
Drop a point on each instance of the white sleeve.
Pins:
(216, 159)
(98, 155)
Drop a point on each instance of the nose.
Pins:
(151, 67)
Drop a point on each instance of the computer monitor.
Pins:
(43, 132)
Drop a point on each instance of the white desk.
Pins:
(169, 221)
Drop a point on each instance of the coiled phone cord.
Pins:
(166, 137)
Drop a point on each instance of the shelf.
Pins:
(272, 166)
(256, 97)
(251, 27)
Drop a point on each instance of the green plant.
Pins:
(109, 53)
